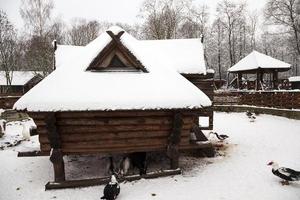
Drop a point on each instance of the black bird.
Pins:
(284, 173)
(248, 113)
(221, 136)
(112, 189)
(251, 116)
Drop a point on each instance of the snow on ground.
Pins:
(13, 136)
(241, 174)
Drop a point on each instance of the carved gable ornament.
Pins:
(115, 57)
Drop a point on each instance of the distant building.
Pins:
(295, 82)
(21, 82)
(259, 64)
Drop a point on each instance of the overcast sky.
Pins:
(125, 11)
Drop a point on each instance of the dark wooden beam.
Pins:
(105, 180)
(56, 155)
(32, 154)
(174, 140)
(125, 52)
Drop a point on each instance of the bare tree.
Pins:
(83, 31)
(230, 13)
(253, 21)
(195, 24)
(284, 13)
(162, 18)
(8, 47)
(37, 15)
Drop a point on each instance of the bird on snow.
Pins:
(248, 113)
(221, 136)
(284, 173)
(251, 116)
(112, 189)
(25, 132)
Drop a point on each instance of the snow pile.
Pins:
(13, 137)
(241, 174)
(18, 77)
(256, 60)
(294, 79)
(72, 88)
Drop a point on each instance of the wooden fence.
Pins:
(276, 99)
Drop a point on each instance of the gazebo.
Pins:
(259, 64)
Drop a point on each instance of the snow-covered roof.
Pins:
(294, 79)
(66, 52)
(186, 56)
(72, 88)
(256, 60)
(19, 78)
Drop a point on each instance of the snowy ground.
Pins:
(241, 174)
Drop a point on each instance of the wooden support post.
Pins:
(257, 80)
(174, 140)
(56, 155)
(227, 80)
(239, 80)
(56, 158)
(275, 80)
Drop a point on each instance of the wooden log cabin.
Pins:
(115, 95)
(20, 82)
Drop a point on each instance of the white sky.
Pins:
(125, 11)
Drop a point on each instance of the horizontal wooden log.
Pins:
(32, 154)
(99, 129)
(76, 137)
(105, 180)
(125, 143)
(116, 121)
(201, 145)
(117, 147)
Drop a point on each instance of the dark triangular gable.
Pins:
(116, 57)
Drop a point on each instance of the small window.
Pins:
(116, 62)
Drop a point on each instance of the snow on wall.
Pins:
(71, 88)
(257, 60)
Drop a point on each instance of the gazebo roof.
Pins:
(256, 60)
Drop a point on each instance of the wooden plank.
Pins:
(125, 128)
(126, 113)
(32, 154)
(75, 137)
(116, 121)
(121, 144)
(105, 180)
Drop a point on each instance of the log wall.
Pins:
(113, 132)
(206, 84)
(275, 99)
(7, 102)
